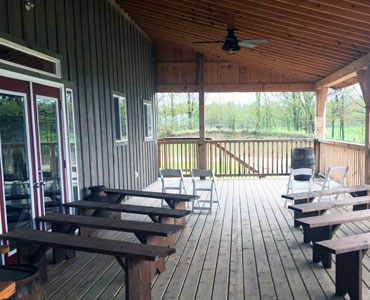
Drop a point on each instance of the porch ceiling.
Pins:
(310, 39)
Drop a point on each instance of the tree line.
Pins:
(289, 112)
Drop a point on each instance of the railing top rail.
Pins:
(209, 140)
(342, 143)
(262, 140)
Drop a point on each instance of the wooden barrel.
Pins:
(303, 158)
(27, 280)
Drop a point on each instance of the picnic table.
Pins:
(319, 208)
(147, 233)
(33, 244)
(308, 197)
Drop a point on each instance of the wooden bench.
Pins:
(32, 246)
(319, 208)
(349, 253)
(147, 233)
(308, 197)
(322, 228)
(156, 214)
(7, 288)
(174, 201)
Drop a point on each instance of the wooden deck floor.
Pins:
(248, 249)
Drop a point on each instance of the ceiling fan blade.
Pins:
(247, 45)
(209, 42)
(260, 41)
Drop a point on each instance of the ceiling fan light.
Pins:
(230, 48)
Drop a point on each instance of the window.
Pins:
(120, 114)
(72, 144)
(22, 57)
(148, 120)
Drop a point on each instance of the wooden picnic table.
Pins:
(147, 233)
(174, 201)
(308, 197)
(156, 214)
(319, 208)
(349, 252)
(33, 244)
(323, 228)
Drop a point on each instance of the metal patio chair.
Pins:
(330, 183)
(294, 184)
(209, 185)
(178, 185)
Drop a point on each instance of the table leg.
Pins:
(319, 253)
(180, 205)
(160, 264)
(60, 254)
(298, 214)
(33, 255)
(348, 274)
(138, 279)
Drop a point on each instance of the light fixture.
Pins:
(231, 44)
(29, 4)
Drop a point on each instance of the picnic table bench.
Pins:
(319, 208)
(32, 246)
(156, 214)
(308, 197)
(174, 201)
(322, 228)
(147, 233)
(349, 253)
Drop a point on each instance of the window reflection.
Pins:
(15, 161)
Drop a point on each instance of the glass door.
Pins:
(50, 152)
(17, 163)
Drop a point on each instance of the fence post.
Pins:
(317, 155)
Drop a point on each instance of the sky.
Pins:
(234, 97)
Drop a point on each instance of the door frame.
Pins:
(31, 166)
(62, 129)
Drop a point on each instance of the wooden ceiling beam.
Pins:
(344, 73)
(220, 88)
(304, 43)
(311, 59)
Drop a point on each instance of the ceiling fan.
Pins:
(231, 44)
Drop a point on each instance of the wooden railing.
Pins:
(337, 154)
(257, 157)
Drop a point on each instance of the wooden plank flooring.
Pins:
(248, 249)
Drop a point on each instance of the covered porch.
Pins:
(249, 248)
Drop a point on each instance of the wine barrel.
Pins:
(27, 280)
(303, 158)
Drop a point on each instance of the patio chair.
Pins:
(330, 183)
(178, 185)
(205, 185)
(294, 184)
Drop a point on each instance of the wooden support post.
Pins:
(202, 150)
(138, 279)
(321, 95)
(320, 126)
(348, 274)
(364, 80)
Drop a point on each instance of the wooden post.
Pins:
(321, 95)
(320, 124)
(202, 151)
(364, 80)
